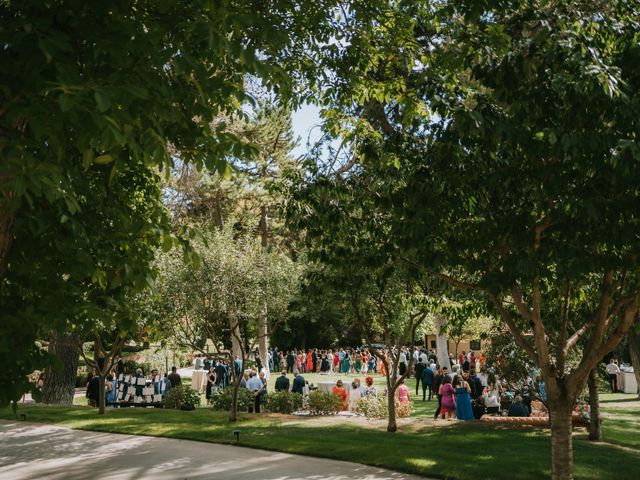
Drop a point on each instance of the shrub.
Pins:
(284, 402)
(81, 380)
(222, 401)
(373, 406)
(182, 398)
(404, 409)
(321, 403)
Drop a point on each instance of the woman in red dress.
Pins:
(341, 393)
(309, 362)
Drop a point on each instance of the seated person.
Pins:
(478, 408)
(492, 400)
(517, 408)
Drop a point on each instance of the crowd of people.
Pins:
(467, 390)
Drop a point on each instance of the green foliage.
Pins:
(322, 403)
(131, 366)
(284, 402)
(182, 398)
(81, 380)
(222, 401)
(86, 129)
(236, 276)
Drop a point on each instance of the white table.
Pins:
(628, 383)
(326, 387)
(199, 380)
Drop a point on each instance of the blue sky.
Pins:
(303, 120)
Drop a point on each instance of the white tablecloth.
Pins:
(628, 382)
(199, 380)
(326, 386)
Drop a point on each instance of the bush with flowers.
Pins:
(374, 406)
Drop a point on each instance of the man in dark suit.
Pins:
(438, 379)
(289, 362)
(222, 375)
(475, 384)
(298, 384)
(282, 382)
(174, 377)
(418, 373)
(314, 360)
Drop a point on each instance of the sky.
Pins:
(303, 120)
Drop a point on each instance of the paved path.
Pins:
(32, 451)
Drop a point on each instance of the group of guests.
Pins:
(329, 361)
(161, 383)
(218, 373)
(349, 399)
(464, 393)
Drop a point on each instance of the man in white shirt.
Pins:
(402, 363)
(255, 385)
(424, 357)
(613, 371)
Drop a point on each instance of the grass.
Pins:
(436, 449)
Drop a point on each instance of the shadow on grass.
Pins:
(624, 400)
(488, 451)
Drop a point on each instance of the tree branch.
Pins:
(513, 328)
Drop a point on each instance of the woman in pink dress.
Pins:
(297, 364)
(403, 393)
(448, 398)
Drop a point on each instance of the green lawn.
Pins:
(457, 451)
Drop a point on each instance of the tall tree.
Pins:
(504, 140)
(123, 87)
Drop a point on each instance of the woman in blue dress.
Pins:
(463, 400)
(346, 364)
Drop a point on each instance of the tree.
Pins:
(390, 309)
(223, 298)
(118, 88)
(60, 375)
(503, 138)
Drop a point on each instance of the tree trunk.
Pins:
(102, 401)
(263, 338)
(6, 220)
(634, 351)
(595, 432)
(561, 445)
(263, 328)
(392, 426)
(60, 377)
(236, 346)
(442, 343)
(561, 441)
(233, 412)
